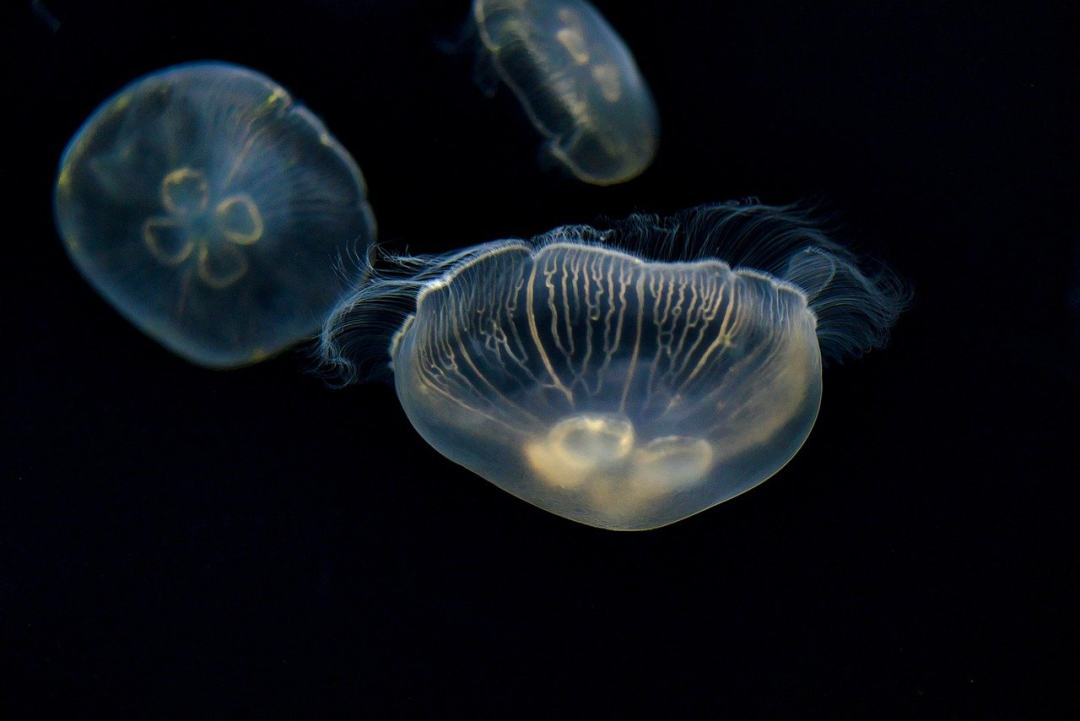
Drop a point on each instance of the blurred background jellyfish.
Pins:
(212, 211)
(618, 391)
(577, 81)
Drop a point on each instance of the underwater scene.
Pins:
(541, 359)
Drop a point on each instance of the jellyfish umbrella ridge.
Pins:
(212, 211)
(614, 390)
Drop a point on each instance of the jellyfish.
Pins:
(577, 81)
(624, 378)
(212, 211)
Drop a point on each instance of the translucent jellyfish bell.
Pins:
(212, 211)
(577, 82)
(614, 390)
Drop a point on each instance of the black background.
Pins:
(178, 543)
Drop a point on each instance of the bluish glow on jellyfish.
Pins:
(212, 211)
(613, 389)
(577, 81)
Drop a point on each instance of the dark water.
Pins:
(178, 543)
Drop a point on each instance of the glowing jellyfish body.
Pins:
(606, 389)
(577, 81)
(617, 391)
(212, 211)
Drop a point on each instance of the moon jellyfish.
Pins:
(211, 210)
(625, 378)
(577, 81)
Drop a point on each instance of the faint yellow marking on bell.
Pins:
(607, 78)
(277, 95)
(228, 277)
(243, 209)
(571, 37)
(182, 185)
(64, 180)
(578, 108)
(154, 232)
(671, 463)
(73, 156)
